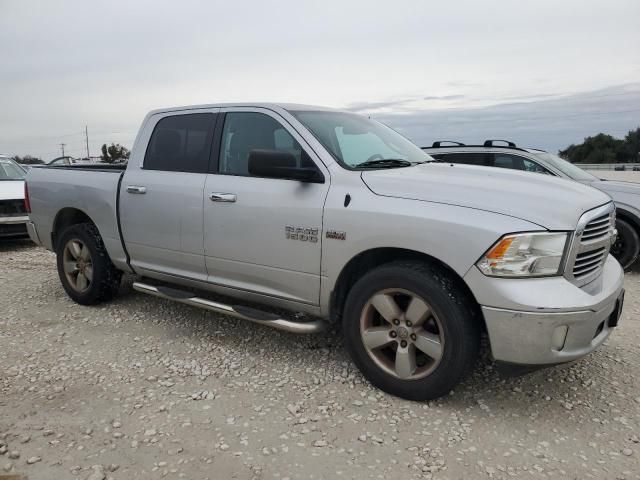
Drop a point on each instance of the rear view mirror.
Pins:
(281, 164)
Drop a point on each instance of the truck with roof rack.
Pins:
(256, 210)
(506, 154)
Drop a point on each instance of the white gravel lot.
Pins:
(143, 388)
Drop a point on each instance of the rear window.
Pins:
(181, 143)
(11, 171)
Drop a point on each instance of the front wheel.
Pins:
(627, 245)
(84, 266)
(411, 330)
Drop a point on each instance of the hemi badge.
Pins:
(336, 235)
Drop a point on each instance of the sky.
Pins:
(544, 73)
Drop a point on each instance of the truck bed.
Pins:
(90, 189)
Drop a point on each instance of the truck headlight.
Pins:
(534, 254)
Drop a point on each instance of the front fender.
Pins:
(456, 236)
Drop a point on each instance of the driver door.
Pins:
(263, 235)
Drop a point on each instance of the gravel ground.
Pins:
(143, 388)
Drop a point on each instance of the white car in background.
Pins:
(13, 214)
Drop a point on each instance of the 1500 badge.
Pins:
(301, 233)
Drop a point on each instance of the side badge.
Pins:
(336, 235)
(301, 233)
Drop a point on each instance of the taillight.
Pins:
(27, 203)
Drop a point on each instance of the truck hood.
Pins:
(552, 203)
(11, 189)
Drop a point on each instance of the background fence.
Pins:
(610, 166)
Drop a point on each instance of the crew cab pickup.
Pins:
(255, 209)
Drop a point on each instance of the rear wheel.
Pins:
(84, 267)
(627, 245)
(411, 330)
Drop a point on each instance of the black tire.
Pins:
(458, 323)
(627, 245)
(105, 281)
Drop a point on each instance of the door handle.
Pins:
(222, 197)
(136, 189)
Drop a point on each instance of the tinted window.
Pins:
(247, 131)
(465, 158)
(516, 162)
(181, 143)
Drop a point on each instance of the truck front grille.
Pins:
(597, 228)
(588, 262)
(12, 208)
(590, 245)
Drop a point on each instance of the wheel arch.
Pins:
(65, 218)
(369, 259)
(628, 216)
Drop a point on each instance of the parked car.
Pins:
(66, 160)
(13, 214)
(626, 195)
(337, 216)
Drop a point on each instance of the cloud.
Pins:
(361, 107)
(551, 124)
(64, 69)
(444, 97)
(408, 103)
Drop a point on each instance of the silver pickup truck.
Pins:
(255, 209)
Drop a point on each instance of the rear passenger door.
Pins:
(162, 194)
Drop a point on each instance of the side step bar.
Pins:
(238, 311)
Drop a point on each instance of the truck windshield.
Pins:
(358, 143)
(11, 171)
(568, 168)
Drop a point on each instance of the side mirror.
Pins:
(281, 164)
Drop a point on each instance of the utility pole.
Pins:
(62, 146)
(86, 136)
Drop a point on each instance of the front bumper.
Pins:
(560, 322)
(12, 227)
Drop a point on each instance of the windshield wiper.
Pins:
(385, 163)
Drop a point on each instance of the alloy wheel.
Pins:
(402, 334)
(78, 265)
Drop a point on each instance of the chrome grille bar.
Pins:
(590, 245)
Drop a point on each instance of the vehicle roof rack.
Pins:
(489, 143)
(486, 144)
(438, 144)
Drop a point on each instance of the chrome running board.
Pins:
(238, 311)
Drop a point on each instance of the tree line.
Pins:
(28, 160)
(603, 148)
(114, 153)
